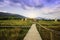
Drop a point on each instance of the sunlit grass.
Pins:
(15, 23)
(50, 24)
(52, 30)
(13, 33)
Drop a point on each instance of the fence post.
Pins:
(51, 35)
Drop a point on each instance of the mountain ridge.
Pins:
(2, 14)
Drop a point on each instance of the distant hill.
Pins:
(41, 18)
(10, 15)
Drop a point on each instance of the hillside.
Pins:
(10, 15)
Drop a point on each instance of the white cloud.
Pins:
(5, 3)
(31, 11)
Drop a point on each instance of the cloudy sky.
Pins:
(32, 8)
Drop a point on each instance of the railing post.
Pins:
(51, 35)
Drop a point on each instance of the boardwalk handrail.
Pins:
(48, 28)
(51, 31)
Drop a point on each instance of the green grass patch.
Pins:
(51, 24)
(49, 34)
(13, 33)
(15, 23)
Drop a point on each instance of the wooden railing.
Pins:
(54, 35)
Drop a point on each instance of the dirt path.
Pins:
(33, 34)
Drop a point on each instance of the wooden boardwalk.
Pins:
(33, 34)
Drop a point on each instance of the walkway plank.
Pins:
(33, 34)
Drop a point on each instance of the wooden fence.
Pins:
(48, 34)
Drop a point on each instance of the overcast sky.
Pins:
(32, 8)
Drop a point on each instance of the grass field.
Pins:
(18, 33)
(52, 32)
(14, 29)
(13, 33)
(51, 24)
(15, 23)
